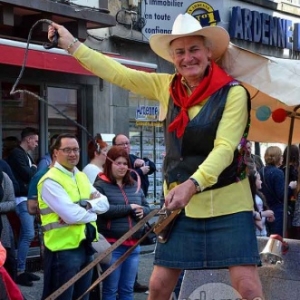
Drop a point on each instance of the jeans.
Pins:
(60, 266)
(121, 280)
(26, 234)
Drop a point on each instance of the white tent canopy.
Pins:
(274, 82)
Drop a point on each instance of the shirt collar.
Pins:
(64, 170)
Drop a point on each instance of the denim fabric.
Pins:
(121, 280)
(26, 234)
(210, 243)
(276, 227)
(60, 266)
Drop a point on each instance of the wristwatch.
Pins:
(83, 203)
(198, 188)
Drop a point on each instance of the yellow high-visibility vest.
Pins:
(63, 236)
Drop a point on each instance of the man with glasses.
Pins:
(23, 168)
(68, 205)
(143, 167)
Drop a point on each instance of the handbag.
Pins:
(101, 246)
(151, 237)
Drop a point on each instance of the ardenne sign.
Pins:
(244, 23)
(257, 27)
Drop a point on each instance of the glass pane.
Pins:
(65, 101)
(18, 111)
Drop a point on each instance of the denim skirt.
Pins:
(212, 243)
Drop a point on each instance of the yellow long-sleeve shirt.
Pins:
(229, 199)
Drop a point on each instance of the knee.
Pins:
(160, 287)
(155, 285)
(249, 287)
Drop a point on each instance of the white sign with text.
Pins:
(159, 15)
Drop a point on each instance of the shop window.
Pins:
(148, 141)
(18, 111)
(64, 100)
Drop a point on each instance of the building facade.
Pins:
(121, 30)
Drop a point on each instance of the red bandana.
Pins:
(215, 79)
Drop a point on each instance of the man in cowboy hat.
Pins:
(206, 114)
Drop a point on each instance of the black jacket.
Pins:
(4, 166)
(144, 177)
(18, 161)
(120, 217)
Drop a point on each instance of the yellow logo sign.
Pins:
(204, 13)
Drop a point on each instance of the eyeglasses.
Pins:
(70, 150)
(123, 144)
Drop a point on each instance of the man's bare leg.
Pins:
(246, 281)
(162, 282)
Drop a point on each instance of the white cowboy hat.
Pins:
(186, 25)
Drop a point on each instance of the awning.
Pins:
(58, 60)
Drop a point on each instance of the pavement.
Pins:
(145, 269)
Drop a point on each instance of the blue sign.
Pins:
(147, 113)
(257, 27)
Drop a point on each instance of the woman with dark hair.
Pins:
(127, 205)
(97, 150)
(293, 162)
(260, 206)
(292, 176)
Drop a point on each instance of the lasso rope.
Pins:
(24, 91)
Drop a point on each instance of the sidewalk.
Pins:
(145, 269)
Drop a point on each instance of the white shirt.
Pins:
(91, 172)
(56, 197)
(260, 207)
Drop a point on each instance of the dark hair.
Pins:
(294, 155)
(113, 153)
(254, 191)
(52, 139)
(28, 131)
(115, 137)
(57, 142)
(94, 144)
(8, 144)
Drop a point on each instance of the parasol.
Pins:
(273, 84)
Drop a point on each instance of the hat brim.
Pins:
(216, 35)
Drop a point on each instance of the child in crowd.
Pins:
(261, 211)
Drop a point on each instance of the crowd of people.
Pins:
(218, 190)
(102, 198)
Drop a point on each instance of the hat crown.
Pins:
(185, 23)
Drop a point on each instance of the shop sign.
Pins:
(147, 116)
(160, 14)
(253, 26)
